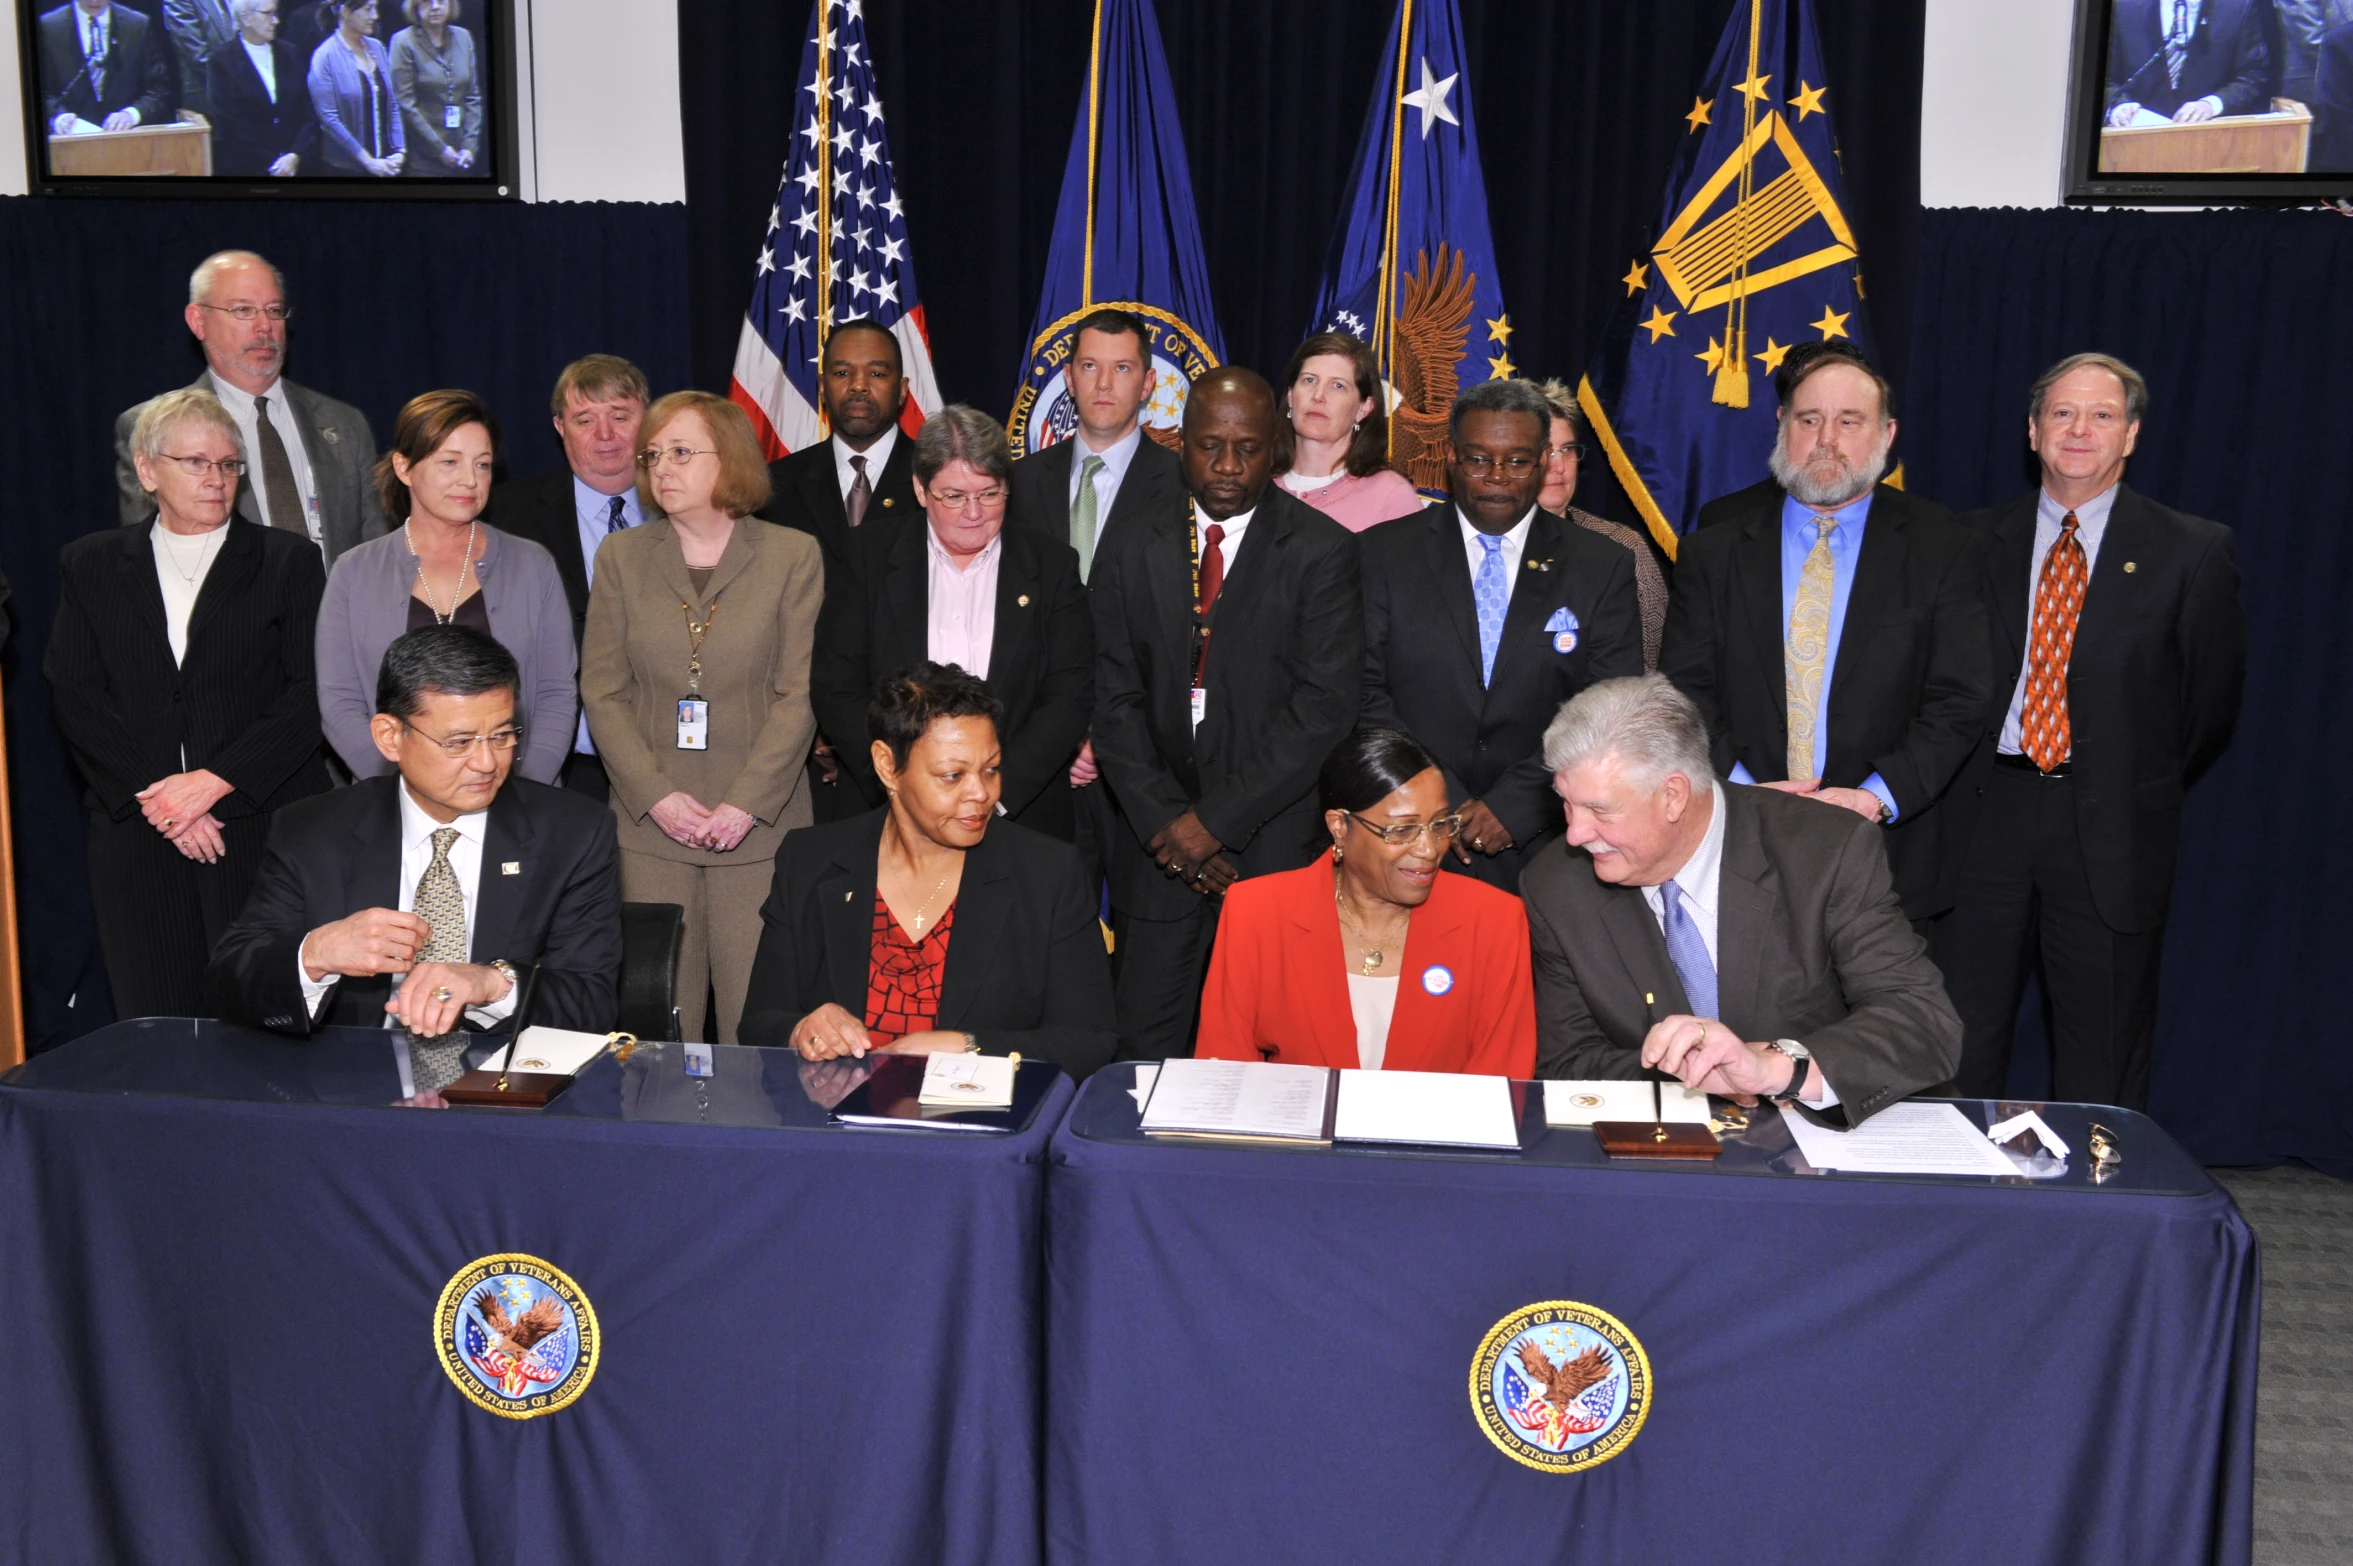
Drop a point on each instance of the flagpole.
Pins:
(1086, 280)
(1732, 375)
(824, 193)
(1384, 311)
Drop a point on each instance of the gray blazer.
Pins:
(342, 453)
(367, 608)
(1811, 946)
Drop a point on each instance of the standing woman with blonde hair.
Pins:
(695, 677)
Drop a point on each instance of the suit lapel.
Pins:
(1759, 579)
(379, 849)
(137, 563)
(1878, 583)
(896, 479)
(733, 559)
(1170, 572)
(559, 525)
(1142, 491)
(982, 900)
(2010, 563)
(846, 909)
(2107, 594)
(240, 558)
(1449, 566)
(1746, 901)
(820, 490)
(906, 597)
(1533, 595)
(1016, 621)
(507, 838)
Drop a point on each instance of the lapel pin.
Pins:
(2130, 566)
(511, 867)
(846, 896)
(1023, 600)
(886, 500)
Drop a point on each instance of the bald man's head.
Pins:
(1228, 444)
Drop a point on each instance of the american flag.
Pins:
(836, 246)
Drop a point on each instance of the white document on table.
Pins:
(1582, 1103)
(1427, 1108)
(1239, 1099)
(966, 1081)
(1928, 1139)
(1147, 1072)
(557, 1050)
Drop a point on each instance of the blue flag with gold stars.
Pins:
(1412, 268)
(1752, 256)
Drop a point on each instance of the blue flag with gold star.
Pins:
(1752, 256)
(1412, 268)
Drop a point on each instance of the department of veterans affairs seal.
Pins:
(1560, 1386)
(1043, 412)
(516, 1335)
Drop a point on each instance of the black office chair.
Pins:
(650, 937)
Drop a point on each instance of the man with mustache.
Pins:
(1832, 629)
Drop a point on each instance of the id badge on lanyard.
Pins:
(694, 723)
(451, 117)
(694, 713)
(1200, 705)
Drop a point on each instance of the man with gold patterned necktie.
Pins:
(1832, 628)
(2120, 656)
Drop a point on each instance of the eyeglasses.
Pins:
(679, 456)
(1518, 465)
(960, 500)
(198, 467)
(457, 747)
(1572, 452)
(247, 314)
(1397, 834)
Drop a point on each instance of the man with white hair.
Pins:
(310, 460)
(1741, 940)
(1833, 629)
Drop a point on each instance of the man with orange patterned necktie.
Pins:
(2121, 654)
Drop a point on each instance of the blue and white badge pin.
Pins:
(1562, 628)
(1437, 979)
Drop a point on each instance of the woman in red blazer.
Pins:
(1374, 958)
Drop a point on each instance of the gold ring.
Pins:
(441, 992)
(1478, 842)
(167, 821)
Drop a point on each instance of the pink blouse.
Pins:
(1358, 503)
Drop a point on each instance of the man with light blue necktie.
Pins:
(1483, 613)
(1741, 940)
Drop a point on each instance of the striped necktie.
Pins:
(441, 903)
(2045, 732)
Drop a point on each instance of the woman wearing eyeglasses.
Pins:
(443, 565)
(695, 674)
(958, 588)
(1563, 450)
(1373, 958)
(180, 668)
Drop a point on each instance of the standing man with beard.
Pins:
(1833, 630)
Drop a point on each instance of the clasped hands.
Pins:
(1189, 852)
(686, 821)
(1861, 801)
(1702, 1053)
(180, 807)
(383, 940)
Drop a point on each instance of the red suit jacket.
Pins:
(1278, 985)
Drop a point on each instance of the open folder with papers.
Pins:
(1247, 1101)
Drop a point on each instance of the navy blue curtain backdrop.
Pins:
(2243, 325)
(389, 300)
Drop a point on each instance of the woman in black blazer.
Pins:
(180, 670)
(931, 925)
(1037, 650)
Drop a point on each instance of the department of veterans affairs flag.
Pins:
(836, 247)
(1412, 268)
(1125, 235)
(1753, 257)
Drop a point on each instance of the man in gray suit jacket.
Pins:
(310, 460)
(1742, 940)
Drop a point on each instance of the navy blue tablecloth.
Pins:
(818, 1344)
(1265, 1355)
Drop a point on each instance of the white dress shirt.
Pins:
(240, 406)
(1229, 546)
(2091, 525)
(877, 457)
(1515, 544)
(176, 554)
(961, 604)
(265, 64)
(416, 856)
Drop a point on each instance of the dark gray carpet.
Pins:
(2304, 1418)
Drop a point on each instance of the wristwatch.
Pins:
(971, 1043)
(1798, 1055)
(507, 968)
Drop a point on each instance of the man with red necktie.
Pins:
(2121, 655)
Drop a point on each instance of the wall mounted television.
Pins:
(246, 98)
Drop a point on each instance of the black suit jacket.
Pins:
(1026, 969)
(244, 703)
(2332, 103)
(1908, 682)
(1041, 661)
(808, 495)
(1421, 659)
(137, 74)
(1154, 481)
(2153, 684)
(544, 510)
(249, 132)
(1810, 946)
(1285, 676)
(332, 856)
(2227, 58)
(1739, 504)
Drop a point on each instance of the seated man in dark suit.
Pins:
(104, 65)
(1737, 939)
(262, 127)
(599, 407)
(421, 897)
(2187, 60)
(1483, 614)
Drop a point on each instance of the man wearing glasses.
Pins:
(420, 899)
(1483, 613)
(309, 458)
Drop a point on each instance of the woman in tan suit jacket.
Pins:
(694, 673)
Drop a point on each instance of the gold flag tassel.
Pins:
(1732, 374)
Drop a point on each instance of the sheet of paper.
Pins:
(1239, 1098)
(1147, 1072)
(1431, 1108)
(2145, 119)
(967, 1082)
(2028, 1120)
(1930, 1139)
(557, 1050)
(1582, 1103)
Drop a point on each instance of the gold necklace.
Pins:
(1373, 955)
(928, 901)
(457, 589)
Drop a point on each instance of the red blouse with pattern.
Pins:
(903, 976)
